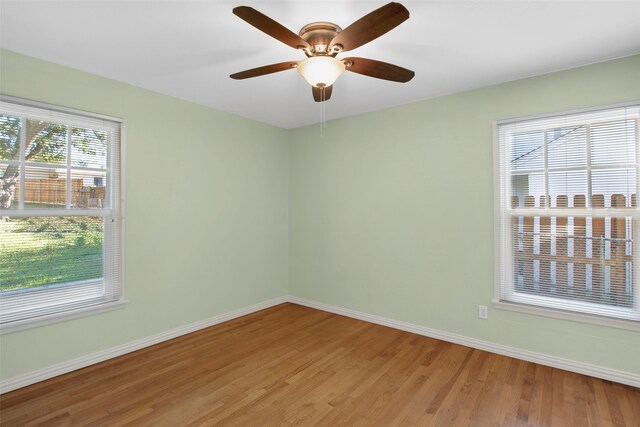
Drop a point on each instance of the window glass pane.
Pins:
(45, 188)
(46, 142)
(43, 251)
(527, 151)
(528, 188)
(613, 142)
(88, 148)
(9, 161)
(614, 181)
(580, 259)
(567, 147)
(568, 184)
(9, 187)
(9, 137)
(88, 189)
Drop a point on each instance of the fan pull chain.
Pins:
(322, 112)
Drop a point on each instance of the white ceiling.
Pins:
(187, 49)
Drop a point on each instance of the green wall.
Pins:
(391, 212)
(206, 214)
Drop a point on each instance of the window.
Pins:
(60, 214)
(567, 215)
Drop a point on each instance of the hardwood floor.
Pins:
(295, 365)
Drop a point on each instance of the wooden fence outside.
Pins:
(584, 258)
(53, 191)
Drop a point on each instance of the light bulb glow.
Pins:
(321, 71)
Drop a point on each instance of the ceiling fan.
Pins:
(322, 41)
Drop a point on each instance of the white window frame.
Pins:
(88, 285)
(503, 250)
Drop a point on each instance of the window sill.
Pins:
(61, 317)
(632, 325)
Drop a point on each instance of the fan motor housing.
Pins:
(319, 36)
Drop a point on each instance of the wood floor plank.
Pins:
(292, 365)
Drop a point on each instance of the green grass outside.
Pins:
(40, 251)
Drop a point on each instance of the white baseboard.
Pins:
(84, 361)
(530, 356)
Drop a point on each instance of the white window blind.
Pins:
(60, 213)
(567, 212)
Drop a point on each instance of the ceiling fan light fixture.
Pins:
(321, 71)
(321, 41)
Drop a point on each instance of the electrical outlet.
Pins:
(482, 312)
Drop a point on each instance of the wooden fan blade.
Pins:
(317, 93)
(270, 27)
(267, 69)
(378, 69)
(371, 26)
